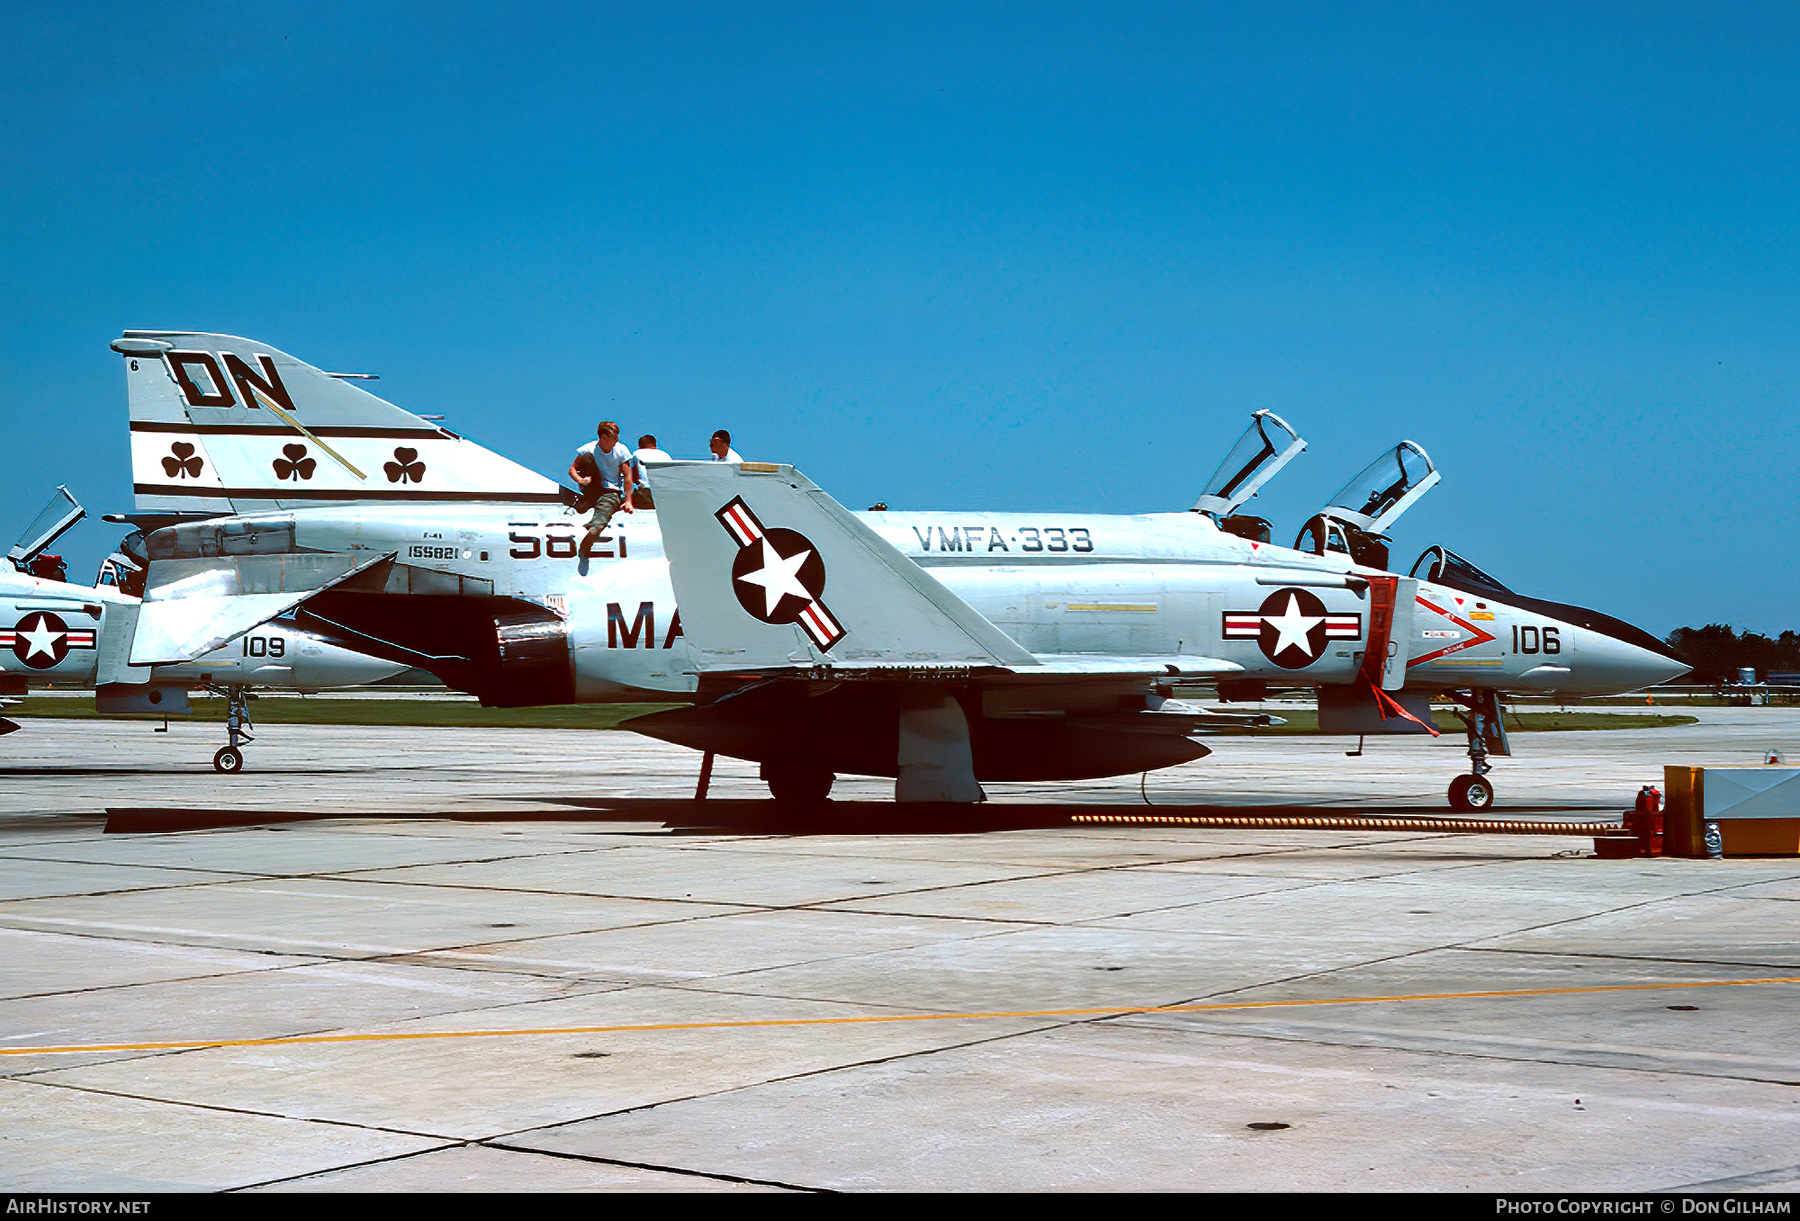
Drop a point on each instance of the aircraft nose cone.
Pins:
(1647, 668)
(1608, 665)
(1668, 671)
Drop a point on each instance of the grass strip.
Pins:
(308, 710)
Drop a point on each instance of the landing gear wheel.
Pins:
(229, 760)
(798, 785)
(1471, 794)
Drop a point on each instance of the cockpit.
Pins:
(127, 568)
(1268, 444)
(1355, 521)
(30, 555)
(1441, 566)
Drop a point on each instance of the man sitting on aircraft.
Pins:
(610, 474)
(721, 448)
(646, 452)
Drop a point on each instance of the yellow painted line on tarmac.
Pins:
(876, 1019)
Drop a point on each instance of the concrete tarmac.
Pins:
(526, 960)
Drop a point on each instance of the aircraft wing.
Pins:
(193, 606)
(772, 575)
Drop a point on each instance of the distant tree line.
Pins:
(1717, 653)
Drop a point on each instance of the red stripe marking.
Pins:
(1481, 637)
(824, 629)
(746, 525)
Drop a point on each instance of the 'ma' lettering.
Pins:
(644, 625)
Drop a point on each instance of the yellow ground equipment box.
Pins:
(1757, 809)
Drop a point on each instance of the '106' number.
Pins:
(1535, 640)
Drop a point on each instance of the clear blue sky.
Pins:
(1034, 256)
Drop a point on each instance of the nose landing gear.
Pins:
(230, 760)
(1474, 792)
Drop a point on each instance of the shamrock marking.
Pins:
(294, 464)
(406, 467)
(183, 464)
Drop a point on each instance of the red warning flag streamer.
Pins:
(1388, 705)
(1382, 594)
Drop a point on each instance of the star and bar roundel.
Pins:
(778, 576)
(1292, 627)
(41, 640)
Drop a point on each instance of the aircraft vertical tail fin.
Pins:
(221, 424)
(770, 572)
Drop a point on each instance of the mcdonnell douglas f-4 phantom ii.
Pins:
(941, 649)
(54, 633)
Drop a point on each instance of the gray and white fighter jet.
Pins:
(55, 633)
(821, 648)
(948, 649)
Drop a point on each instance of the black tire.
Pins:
(229, 760)
(1471, 794)
(794, 784)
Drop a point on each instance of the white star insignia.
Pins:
(1293, 627)
(779, 577)
(43, 640)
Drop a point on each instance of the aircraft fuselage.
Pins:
(1145, 585)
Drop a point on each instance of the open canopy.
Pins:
(1374, 500)
(1266, 446)
(56, 518)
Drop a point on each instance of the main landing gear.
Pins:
(1474, 792)
(796, 784)
(230, 760)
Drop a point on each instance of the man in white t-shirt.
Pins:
(721, 448)
(646, 452)
(602, 470)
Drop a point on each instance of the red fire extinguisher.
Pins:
(1645, 821)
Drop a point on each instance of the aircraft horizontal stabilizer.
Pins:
(193, 606)
(772, 573)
